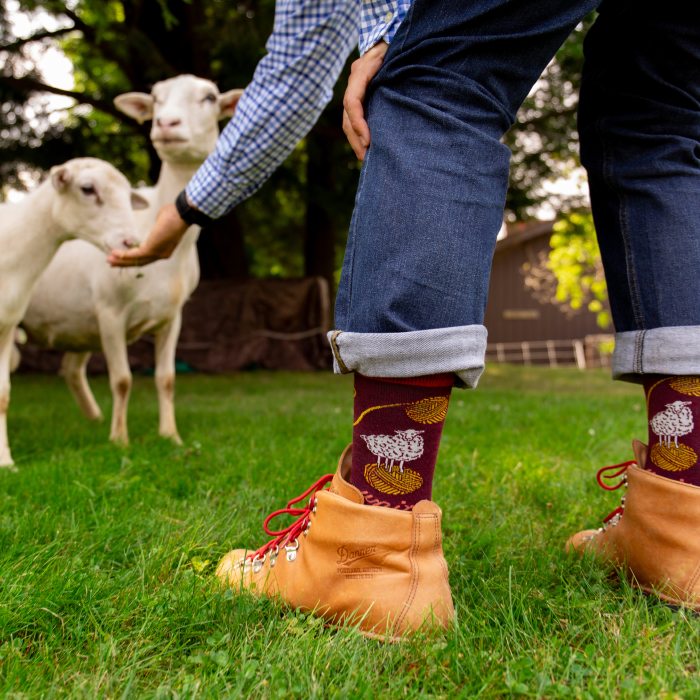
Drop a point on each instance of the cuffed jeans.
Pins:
(430, 200)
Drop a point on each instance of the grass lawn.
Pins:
(107, 555)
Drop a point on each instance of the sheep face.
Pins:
(185, 111)
(677, 406)
(409, 434)
(95, 202)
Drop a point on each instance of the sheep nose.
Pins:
(168, 122)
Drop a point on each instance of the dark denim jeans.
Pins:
(432, 189)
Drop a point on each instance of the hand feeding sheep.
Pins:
(84, 198)
(100, 308)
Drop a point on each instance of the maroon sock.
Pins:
(673, 407)
(396, 436)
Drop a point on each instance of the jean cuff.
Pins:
(670, 350)
(459, 350)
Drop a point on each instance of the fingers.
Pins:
(354, 123)
(164, 237)
(358, 139)
(130, 258)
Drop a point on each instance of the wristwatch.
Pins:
(190, 214)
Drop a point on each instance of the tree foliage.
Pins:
(297, 223)
(574, 260)
(544, 140)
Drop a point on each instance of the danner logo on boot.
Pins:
(352, 561)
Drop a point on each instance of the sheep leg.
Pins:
(166, 345)
(6, 344)
(113, 336)
(73, 370)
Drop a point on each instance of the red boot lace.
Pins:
(613, 472)
(289, 536)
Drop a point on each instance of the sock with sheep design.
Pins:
(396, 436)
(673, 407)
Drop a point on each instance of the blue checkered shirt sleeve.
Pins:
(380, 20)
(292, 84)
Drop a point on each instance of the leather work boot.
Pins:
(654, 536)
(379, 568)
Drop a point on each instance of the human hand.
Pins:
(361, 73)
(162, 240)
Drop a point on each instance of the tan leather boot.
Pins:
(654, 537)
(379, 568)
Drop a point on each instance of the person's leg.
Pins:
(639, 122)
(430, 203)
(412, 297)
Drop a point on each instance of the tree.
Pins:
(544, 140)
(572, 275)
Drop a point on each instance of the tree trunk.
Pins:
(221, 249)
(319, 243)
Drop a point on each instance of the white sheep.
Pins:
(85, 198)
(403, 446)
(674, 422)
(100, 308)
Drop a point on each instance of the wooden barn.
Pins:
(523, 325)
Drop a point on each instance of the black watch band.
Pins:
(188, 213)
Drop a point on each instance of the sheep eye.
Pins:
(211, 97)
(88, 190)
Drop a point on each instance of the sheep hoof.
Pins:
(173, 437)
(7, 464)
(120, 440)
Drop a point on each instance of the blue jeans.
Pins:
(432, 189)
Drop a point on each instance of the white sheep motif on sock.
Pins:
(674, 422)
(403, 446)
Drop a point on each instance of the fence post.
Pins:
(551, 353)
(580, 354)
(525, 350)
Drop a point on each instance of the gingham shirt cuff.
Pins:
(380, 21)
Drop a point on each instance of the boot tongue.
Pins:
(340, 485)
(640, 453)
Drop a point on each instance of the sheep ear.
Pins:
(138, 201)
(61, 178)
(228, 102)
(137, 105)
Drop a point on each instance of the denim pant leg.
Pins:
(639, 121)
(430, 201)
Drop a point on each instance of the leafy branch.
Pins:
(33, 85)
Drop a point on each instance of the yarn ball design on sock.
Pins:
(690, 386)
(672, 458)
(429, 411)
(393, 483)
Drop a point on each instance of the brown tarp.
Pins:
(228, 326)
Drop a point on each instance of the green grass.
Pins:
(107, 555)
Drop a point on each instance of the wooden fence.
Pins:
(584, 353)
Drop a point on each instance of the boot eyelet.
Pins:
(291, 550)
(258, 563)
